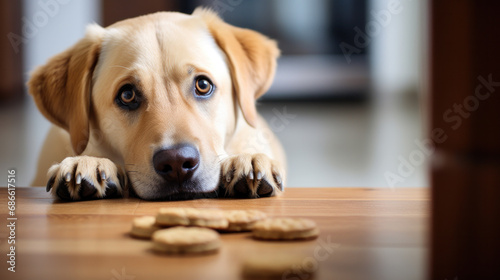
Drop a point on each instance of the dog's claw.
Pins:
(67, 178)
(50, 183)
(78, 179)
(259, 175)
(278, 179)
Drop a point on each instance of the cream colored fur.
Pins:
(162, 53)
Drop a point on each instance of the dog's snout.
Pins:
(177, 164)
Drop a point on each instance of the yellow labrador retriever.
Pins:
(161, 106)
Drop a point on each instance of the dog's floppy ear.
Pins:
(252, 58)
(61, 88)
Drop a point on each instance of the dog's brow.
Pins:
(120, 66)
(193, 68)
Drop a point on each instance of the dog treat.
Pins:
(144, 227)
(285, 229)
(243, 220)
(211, 218)
(271, 266)
(184, 240)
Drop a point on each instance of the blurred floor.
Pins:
(328, 144)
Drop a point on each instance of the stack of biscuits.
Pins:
(196, 230)
(193, 230)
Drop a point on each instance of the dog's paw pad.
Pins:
(112, 191)
(87, 190)
(62, 192)
(241, 189)
(265, 189)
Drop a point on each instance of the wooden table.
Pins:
(369, 234)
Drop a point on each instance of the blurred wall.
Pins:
(51, 26)
(396, 30)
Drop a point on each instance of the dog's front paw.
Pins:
(251, 175)
(84, 177)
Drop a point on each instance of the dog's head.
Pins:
(161, 94)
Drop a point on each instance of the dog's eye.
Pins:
(204, 87)
(128, 97)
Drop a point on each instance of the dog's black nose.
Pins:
(177, 164)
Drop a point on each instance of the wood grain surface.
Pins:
(365, 234)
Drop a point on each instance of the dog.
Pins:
(162, 107)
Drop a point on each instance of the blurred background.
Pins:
(348, 101)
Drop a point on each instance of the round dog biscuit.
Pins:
(211, 218)
(285, 229)
(144, 227)
(243, 220)
(185, 240)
